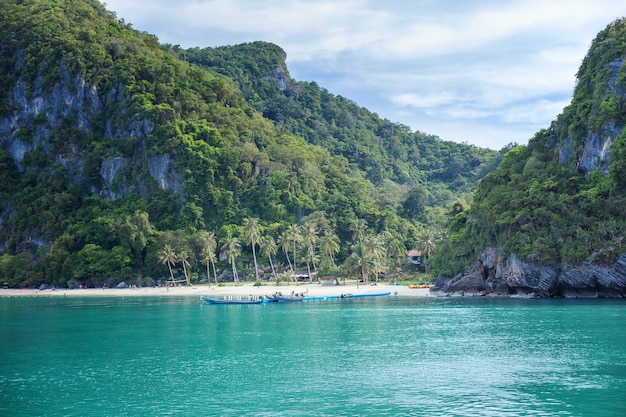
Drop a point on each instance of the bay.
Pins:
(395, 356)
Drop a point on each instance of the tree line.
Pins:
(307, 246)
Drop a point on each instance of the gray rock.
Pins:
(494, 275)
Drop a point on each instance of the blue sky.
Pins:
(484, 72)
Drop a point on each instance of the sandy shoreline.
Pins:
(243, 291)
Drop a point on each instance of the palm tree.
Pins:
(396, 251)
(284, 242)
(231, 246)
(168, 256)
(268, 248)
(310, 258)
(182, 258)
(329, 246)
(358, 227)
(360, 262)
(209, 244)
(294, 235)
(426, 244)
(251, 235)
(309, 235)
(375, 250)
(209, 256)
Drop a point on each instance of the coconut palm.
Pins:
(396, 251)
(209, 244)
(329, 246)
(168, 256)
(360, 262)
(358, 228)
(295, 237)
(309, 236)
(210, 257)
(231, 247)
(268, 248)
(311, 258)
(374, 250)
(183, 259)
(426, 244)
(284, 242)
(251, 235)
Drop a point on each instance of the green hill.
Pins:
(561, 199)
(114, 147)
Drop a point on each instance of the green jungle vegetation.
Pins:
(550, 212)
(125, 159)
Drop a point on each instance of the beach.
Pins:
(229, 291)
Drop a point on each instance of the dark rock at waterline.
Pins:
(496, 275)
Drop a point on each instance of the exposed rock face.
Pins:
(494, 275)
(159, 168)
(42, 111)
(597, 148)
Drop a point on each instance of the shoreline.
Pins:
(243, 291)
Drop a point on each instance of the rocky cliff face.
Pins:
(40, 111)
(597, 148)
(496, 275)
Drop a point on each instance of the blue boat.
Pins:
(210, 300)
(345, 296)
(378, 294)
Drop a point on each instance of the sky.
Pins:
(482, 72)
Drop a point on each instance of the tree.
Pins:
(309, 235)
(358, 228)
(426, 244)
(208, 252)
(295, 237)
(360, 262)
(396, 251)
(168, 256)
(284, 242)
(183, 258)
(375, 250)
(414, 206)
(251, 235)
(311, 258)
(329, 246)
(268, 248)
(209, 258)
(231, 247)
(135, 232)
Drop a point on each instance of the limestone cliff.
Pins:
(39, 113)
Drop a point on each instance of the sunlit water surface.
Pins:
(378, 357)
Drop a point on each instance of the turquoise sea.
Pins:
(364, 357)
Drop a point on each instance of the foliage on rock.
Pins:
(560, 200)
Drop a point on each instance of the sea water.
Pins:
(388, 356)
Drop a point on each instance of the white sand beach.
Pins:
(243, 291)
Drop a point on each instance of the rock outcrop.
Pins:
(40, 111)
(496, 275)
(596, 152)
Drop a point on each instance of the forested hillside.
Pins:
(123, 159)
(381, 149)
(560, 200)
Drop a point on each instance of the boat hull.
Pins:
(210, 300)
